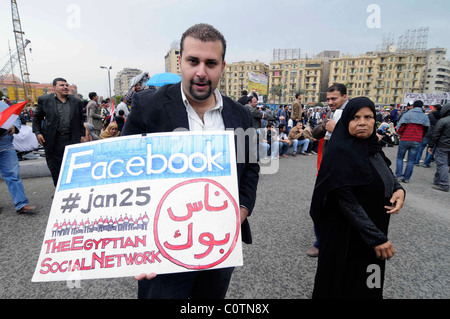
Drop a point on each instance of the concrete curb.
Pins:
(33, 168)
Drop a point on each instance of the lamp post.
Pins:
(109, 79)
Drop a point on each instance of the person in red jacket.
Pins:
(411, 128)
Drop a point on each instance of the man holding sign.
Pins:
(195, 104)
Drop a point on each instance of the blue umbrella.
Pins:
(161, 79)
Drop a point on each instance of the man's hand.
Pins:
(40, 139)
(329, 126)
(12, 130)
(145, 276)
(244, 213)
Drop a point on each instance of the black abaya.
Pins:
(352, 222)
(353, 185)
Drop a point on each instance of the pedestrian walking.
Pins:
(94, 113)
(57, 122)
(440, 142)
(354, 195)
(411, 128)
(9, 167)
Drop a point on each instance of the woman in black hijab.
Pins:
(354, 195)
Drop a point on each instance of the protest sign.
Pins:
(258, 82)
(162, 203)
(427, 98)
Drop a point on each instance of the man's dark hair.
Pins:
(418, 103)
(249, 99)
(244, 92)
(92, 95)
(280, 126)
(58, 79)
(338, 87)
(205, 33)
(297, 94)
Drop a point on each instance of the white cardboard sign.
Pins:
(162, 203)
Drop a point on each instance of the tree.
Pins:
(277, 90)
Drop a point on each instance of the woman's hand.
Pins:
(396, 200)
(385, 251)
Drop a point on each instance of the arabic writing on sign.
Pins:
(199, 229)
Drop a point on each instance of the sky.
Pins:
(72, 39)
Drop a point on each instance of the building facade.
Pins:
(235, 77)
(171, 61)
(384, 77)
(437, 71)
(287, 77)
(122, 80)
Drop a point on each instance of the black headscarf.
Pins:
(346, 161)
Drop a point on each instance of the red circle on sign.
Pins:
(158, 212)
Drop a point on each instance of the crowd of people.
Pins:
(351, 203)
(282, 131)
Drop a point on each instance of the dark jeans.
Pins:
(411, 148)
(206, 284)
(441, 177)
(428, 156)
(55, 156)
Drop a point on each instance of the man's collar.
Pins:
(343, 105)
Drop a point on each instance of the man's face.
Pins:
(335, 99)
(201, 67)
(300, 125)
(61, 88)
(299, 97)
(254, 102)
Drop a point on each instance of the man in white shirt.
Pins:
(124, 107)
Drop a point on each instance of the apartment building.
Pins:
(437, 71)
(384, 77)
(171, 61)
(122, 80)
(235, 77)
(297, 75)
(357, 73)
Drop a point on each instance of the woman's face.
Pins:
(362, 124)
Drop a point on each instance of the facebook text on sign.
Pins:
(162, 203)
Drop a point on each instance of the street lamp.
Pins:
(109, 78)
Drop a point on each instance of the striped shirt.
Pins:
(212, 119)
(411, 132)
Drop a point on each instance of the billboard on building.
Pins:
(258, 82)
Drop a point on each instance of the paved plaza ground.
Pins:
(275, 265)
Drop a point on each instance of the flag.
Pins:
(10, 115)
(113, 109)
(320, 154)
